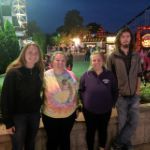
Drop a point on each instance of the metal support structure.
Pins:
(142, 19)
(15, 12)
(19, 11)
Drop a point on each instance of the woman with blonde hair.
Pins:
(98, 93)
(20, 97)
(60, 103)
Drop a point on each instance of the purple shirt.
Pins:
(98, 93)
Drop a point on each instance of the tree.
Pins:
(60, 29)
(9, 47)
(73, 26)
(11, 41)
(32, 28)
(73, 21)
(3, 53)
(93, 27)
(34, 31)
(40, 39)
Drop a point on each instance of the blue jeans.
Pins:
(26, 126)
(128, 116)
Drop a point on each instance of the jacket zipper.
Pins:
(129, 85)
(128, 80)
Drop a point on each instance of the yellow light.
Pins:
(146, 43)
(76, 41)
(110, 39)
(146, 40)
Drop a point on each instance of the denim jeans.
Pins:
(26, 126)
(128, 116)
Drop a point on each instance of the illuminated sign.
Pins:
(110, 39)
(146, 40)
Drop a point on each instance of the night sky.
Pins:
(111, 14)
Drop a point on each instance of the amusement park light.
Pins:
(110, 39)
(146, 40)
(26, 41)
(84, 37)
(19, 10)
(76, 41)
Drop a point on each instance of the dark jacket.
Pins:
(127, 81)
(20, 93)
(98, 93)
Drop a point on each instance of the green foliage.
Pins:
(145, 93)
(60, 29)
(34, 31)
(1, 81)
(40, 39)
(73, 27)
(9, 47)
(32, 28)
(55, 39)
(11, 40)
(73, 21)
(93, 27)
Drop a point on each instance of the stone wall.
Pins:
(141, 138)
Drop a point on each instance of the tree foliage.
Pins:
(32, 28)
(9, 47)
(40, 39)
(93, 27)
(73, 22)
(34, 31)
(73, 26)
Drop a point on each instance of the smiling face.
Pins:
(31, 56)
(59, 62)
(97, 62)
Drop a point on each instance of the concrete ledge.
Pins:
(141, 138)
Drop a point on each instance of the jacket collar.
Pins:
(117, 53)
(93, 72)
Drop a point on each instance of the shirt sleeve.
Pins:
(109, 62)
(7, 99)
(139, 67)
(81, 88)
(114, 89)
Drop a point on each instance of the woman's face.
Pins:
(59, 62)
(31, 55)
(96, 62)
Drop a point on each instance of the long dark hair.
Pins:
(117, 41)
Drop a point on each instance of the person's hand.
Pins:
(11, 130)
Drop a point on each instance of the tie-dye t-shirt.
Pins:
(60, 92)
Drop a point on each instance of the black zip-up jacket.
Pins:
(20, 93)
